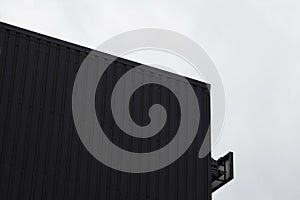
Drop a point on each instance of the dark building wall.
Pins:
(41, 155)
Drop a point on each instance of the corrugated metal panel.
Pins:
(41, 155)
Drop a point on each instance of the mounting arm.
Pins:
(221, 171)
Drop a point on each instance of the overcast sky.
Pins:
(255, 46)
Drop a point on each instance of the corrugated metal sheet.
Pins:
(41, 155)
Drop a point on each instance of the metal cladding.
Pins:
(43, 157)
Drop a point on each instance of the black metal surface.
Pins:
(41, 155)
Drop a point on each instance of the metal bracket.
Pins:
(221, 171)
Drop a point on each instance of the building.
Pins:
(42, 156)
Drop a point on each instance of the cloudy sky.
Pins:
(255, 45)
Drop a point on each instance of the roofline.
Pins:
(87, 50)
